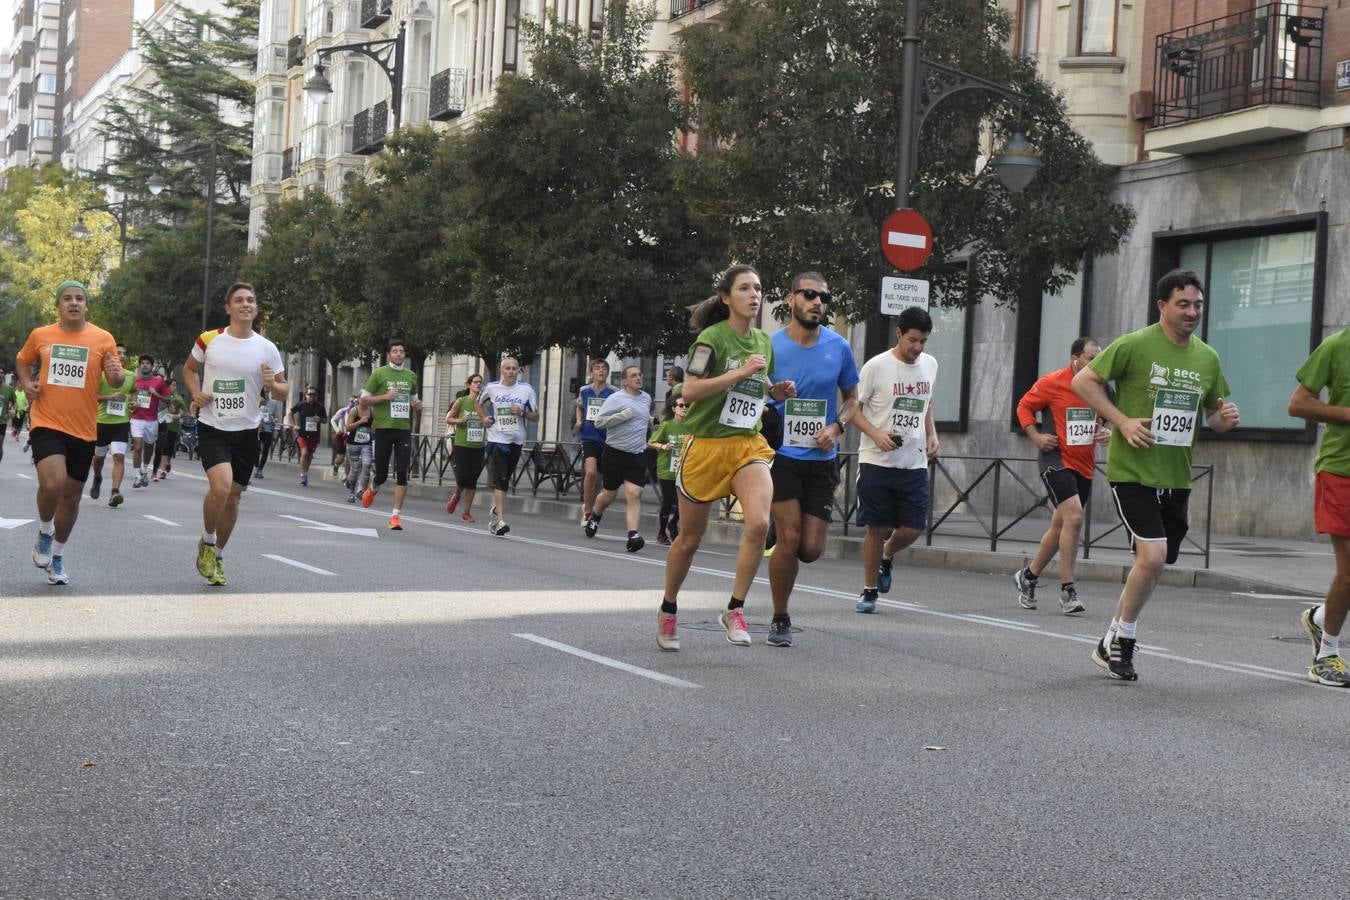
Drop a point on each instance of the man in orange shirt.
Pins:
(1067, 439)
(60, 367)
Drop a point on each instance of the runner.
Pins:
(20, 409)
(306, 418)
(467, 457)
(1329, 367)
(591, 436)
(391, 393)
(170, 424)
(668, 440)
(113, 429)
(70, 357)
(898, 439)
(6, 407)
(726, 386)
(269, 409)
(1067, 440)
(806, 468)
(361, 449)
(225, 374)
(151, 390)
(337, 427)
(625, 416)
(504, 406)
(1163, 375)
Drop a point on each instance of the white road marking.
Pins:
(13, 523)
(299, 565)
(336, 529)
(1306, 598)
(23, 475)
(1293, 675)
(606, 661)
(1001, 621)
(161, 521)
(806, 588)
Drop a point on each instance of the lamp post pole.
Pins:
(118, 211)
(388, 54)
(156, 184)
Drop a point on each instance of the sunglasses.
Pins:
(812, 293)
(681, 405)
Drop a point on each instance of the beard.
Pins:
(808, 324)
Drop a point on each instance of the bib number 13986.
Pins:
(1173, 421)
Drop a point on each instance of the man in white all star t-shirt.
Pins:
(225, 375)
(895, 390)
(504, 406)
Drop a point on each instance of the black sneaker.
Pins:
(780, 634)
(635, 542)
(1118, 660)
(96, 487)
(884, 575)
(592, 525)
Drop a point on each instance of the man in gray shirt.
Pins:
(626, 417)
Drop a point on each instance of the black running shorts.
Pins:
(79, 454)
(239, 449)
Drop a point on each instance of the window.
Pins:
(1263, 301)
(1028, 27)
(1096, 27)
(1061, 325)
(949, 344)
(511, 35)
(46, 84)
(42, 128)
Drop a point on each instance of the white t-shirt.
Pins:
(895, 397)
(507, 427)
(231, 371)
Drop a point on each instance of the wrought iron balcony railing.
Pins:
(448, 90)
(1271, 54)
(369, 127)
(290, 161)
(375, 12)
(685, 7)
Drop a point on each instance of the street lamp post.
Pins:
(117, 210)
(156, 184)
(1015, 165)
(388, 55)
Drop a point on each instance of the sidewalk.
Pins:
(1237, 563)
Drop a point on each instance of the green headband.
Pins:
(61, 289)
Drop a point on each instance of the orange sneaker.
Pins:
(367, 497)
(395, 523)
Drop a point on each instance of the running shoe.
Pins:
(154, 477)
(1329, 670)
(56, 574)
(42, 551)
(351, 498)
(496, 525)
(867, 602)
(468, 517)
(136, 483)
(592, 525)
(1117, 660)
(395, 523)
(1026, 589)
(206, 559)
(663, 539)
(115, 500)
(217, 576)
(1069, 604)
(97, 486)
(884, 575)
(733, 620)
(1313, 631)
(367, 497)
(780, 634)
(304, 480)
(667, 635)
(259, 475)
(451, 504)
(635, 542)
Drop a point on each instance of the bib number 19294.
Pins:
(1173, 421)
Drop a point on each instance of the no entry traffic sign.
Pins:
(906, 239)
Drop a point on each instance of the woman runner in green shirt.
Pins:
(467, 457)
(726, 385)
(668, 439)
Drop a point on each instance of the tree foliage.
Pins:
(798, 140)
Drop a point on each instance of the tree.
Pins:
(566, 206)
(798, 138)
(17, 315)
(297, 274)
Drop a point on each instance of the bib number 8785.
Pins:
(739, 407)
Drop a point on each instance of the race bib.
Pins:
(802, 419)
(311, 424)
(361, 435)
(115, 407)
(507, 420)
(907, 416)
(142, 399)
(228, 398)
(744, 403)
(400, 407)
(1173, 422)
(67, 366)
(676, 447)
(473, 430)
(1081, 425)
(593, 405)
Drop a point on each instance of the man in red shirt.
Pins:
(1067, 439)
(151, 390)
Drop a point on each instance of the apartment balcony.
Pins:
(680, 8)
(295, 51)
(290, 161)
(1249, 77)
(369, 127)
(448, 90)
(376, 12)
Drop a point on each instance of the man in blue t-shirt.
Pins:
(592, 438)
(805, 471)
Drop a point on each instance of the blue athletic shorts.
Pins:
(892, 498)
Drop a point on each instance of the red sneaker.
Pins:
(467, 517)
(452, 503)
(367, 497)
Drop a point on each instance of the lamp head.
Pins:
(1017, 163)
(80, 231)
(317, 88)
(156, 184)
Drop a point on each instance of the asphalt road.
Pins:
(442, 713)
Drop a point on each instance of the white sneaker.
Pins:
(733, 620)
(667, 635)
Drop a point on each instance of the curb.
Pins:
(838, 546)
